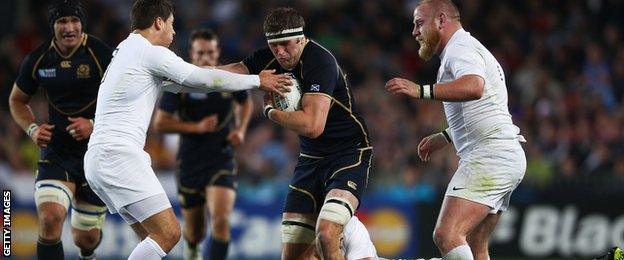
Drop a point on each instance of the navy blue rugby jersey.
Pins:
(208, 148)
(70, 83)
(319, 73)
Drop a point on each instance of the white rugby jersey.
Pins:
(356, 242)
(131, 85)
(488, 117)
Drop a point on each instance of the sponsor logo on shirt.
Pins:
(315, 87)
(66, 64)
(47, 73)
(83, 71)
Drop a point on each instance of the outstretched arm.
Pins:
(465, 88)
(215, 80)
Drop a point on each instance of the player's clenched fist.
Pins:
(271, 82)
(80, 128)
(403, 86)
(207, 124)
(236, 137)
(42, 135)
(430, 144)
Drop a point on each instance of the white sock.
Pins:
(459, 253)
(148, 249)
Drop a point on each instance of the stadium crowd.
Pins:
(564, 71)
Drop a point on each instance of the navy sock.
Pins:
(218, 249)
(52, 250)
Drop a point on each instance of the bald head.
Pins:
(437, 7)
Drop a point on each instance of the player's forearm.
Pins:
(165, 124)
(22, 113)
(297, 121)
(213, 80)
(466, 88)
(237, 67)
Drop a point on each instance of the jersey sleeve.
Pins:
(169, 102)
(241, 96)
(258, 60)
(27, 78)
(320, 78)
(163, 62)
(466, 61)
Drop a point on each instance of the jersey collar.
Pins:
(83, 43)
(451, 40)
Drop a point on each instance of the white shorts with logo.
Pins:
(121, 175)
(489, 173)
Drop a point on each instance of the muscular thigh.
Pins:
(460, 216)
(220, 200)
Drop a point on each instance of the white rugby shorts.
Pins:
(489, 173)
(120, 175)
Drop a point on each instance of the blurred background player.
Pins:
(210, 124)
(68, 68)
(335, 150)
(116, 166)
(471, 83)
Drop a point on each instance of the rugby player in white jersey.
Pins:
(116, 167)
(471, 84)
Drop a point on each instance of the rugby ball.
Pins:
(292, 100)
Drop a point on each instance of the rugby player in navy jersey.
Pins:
(68, 68)
(210, 125)
(335, 148)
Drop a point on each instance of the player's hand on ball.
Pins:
(271, 82)
(42, 135)
(430, 144)
(236, 137)
(207, 124)
(80, 128)
(398, 86)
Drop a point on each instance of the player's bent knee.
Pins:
(86, 217)
(220, 227)
(337, 210)
(51, 224)
(173, 235)
(52, 191)
(87, 240)
(298, 231)
(442, 238)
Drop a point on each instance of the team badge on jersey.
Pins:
(47, 73)
(315, 87)
(83, 72)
